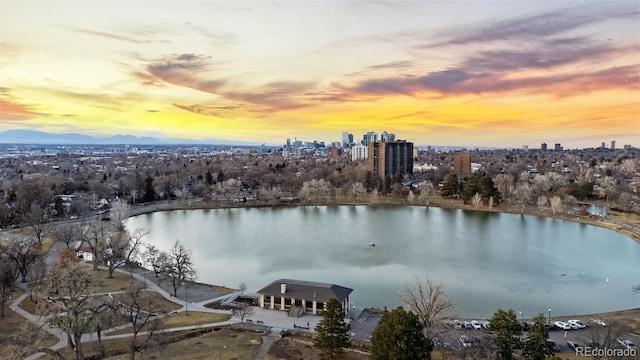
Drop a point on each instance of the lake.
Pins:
(485, 260)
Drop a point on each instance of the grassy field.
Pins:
(158, 303)
(223, 344)
(285, 349)
(10, 323)
(181, 319)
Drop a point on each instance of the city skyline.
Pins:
(474, 73)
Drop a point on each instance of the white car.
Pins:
(486, 325)
(562, 325)
(476, 324)
(627, 343)
(579, 323)
(599, 322)
(464, 339)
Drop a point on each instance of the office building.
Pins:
(543, 147)
(347, 139)
(558, 147)
(369, 137)
(613, 144)
(390, 158)
(388, 136)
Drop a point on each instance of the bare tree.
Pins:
(556, 204)
(426, 193)
(411, 198)
(122, 248)
(179, 268)
(542, 201)
(242, 311)
(138, 307)
(69, 303)
(24, 253)
(429, 301)
(26, 340)
(375, 195)
(314, 189)
(356, 189)
(243, 288)
(119, 212)
(35, 219)
(8, 277)
(156, 258)
(67, 234)
(476, 200)
(503, 183)
(603, 337)
(96, 235)
(522, 195)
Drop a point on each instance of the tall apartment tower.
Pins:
(613, 144)
(543, 147)
(390, 158)
(462, 164)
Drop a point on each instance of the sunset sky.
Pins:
(472, 73)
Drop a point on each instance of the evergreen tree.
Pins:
(505, 325)
(333, 331)
(399, 336)
(149, 191)
(451, 186)
(209, 178)
(537, 346)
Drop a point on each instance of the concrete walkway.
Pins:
(151, 285)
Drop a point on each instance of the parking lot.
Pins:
(477, 340)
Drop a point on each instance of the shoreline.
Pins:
(610, 221)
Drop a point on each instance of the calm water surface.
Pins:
(486, 260)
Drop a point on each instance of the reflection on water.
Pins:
(486, 260)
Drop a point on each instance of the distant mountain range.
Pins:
(45, 138)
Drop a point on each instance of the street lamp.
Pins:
(549, 316)
(353, 312)
(224, 347)
(186, 298)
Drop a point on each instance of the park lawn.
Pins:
(285, 349)
(159, 304)
(223, 344)
(181, 319)
(11, 323)
(119, 282)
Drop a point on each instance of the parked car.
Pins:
(446, 345)
(476, 324)
(486, 325)
(555, 346)
(551, 327)
(573, 326)
(436, 342)
(464, 339)
(525, 326)
(573, 345)
(626, 343)
(599, 322)
(467, 325)
(457, 325)
(562, 325)
(580, 323)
